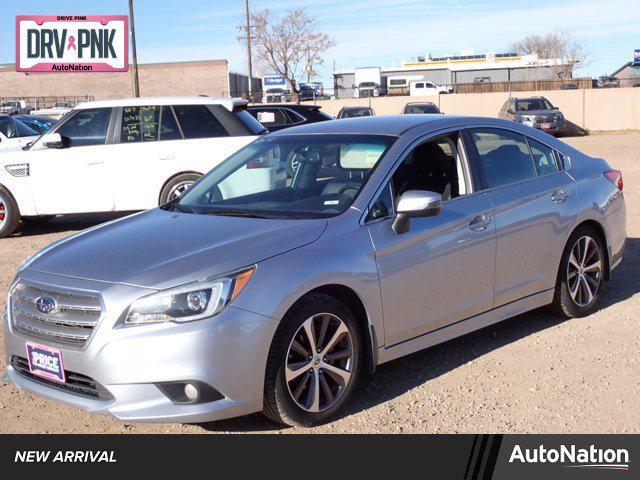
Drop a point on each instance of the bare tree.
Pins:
(287, 44)
(560, 51)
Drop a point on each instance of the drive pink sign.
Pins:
(72, 43)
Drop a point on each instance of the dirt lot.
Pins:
(530, 374)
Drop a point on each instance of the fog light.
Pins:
(191, 392)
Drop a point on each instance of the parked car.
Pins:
(277, 116)
(276, 95)
(422, 89)
(281, 297)
(607, 82)
(122, 155)
(14, 134)
(59, 110)
(368, 89)
(569, 86)
(40, 124)
(420, 107)
(14, 107)
(352, 112)
(536, 112)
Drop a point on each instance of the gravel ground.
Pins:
(530, 374)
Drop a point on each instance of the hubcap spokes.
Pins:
(3, 212)
(584, 271)
(179, 190)
(319, 362)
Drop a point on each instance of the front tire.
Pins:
(177, 186)
(580, 275)
(9, 213)
(314, 362)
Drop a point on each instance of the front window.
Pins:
(533, 104)
(421, 109)
(330, 172)
(86, 127)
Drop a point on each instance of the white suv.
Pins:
(121, 155)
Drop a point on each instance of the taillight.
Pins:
(615, 177)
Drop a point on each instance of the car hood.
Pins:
(160, 249)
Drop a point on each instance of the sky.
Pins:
(366, 32)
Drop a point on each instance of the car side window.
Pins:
(169, 129)
(197, 121)
(272, 117)
(544, 157)
(87, 127)
(382, 206)
(503, 155)
(140, 124)
(294, 117)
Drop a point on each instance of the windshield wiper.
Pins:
(180, 208)
(231, 212)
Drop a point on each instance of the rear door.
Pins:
(535, 204)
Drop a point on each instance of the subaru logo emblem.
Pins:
(47, 305)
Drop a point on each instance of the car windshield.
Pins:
(531, 104)
(421, 109)
(328, 173)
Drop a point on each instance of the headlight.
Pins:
(193, 301)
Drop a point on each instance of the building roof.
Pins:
(472, 62)
(628, 64)
(228, 103)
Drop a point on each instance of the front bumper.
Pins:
(554, 126)
(228, 352)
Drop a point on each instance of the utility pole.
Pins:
(249, 61)
(132, 29)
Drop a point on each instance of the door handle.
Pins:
(96, 162)
(480, 223)
(168, 157)
(559, 196)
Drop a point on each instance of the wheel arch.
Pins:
(354, 303)
(597, 226)
(184, 172)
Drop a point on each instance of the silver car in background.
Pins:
(394, 234)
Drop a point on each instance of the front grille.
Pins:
(71, 322)
(75, 382)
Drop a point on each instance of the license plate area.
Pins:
(45, 362)
(545, 126)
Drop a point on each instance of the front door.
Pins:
(441, 271)
(72, 179)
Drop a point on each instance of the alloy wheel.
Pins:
(179, 189)
(319, 362)
(3, 212)
(584, 271)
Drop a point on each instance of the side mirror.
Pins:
(415, 203)
(53, 140)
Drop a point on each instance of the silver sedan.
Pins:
(277, 294)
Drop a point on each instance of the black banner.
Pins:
(459, 457)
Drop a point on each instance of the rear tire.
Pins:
(308, 382)
(580, 275)
(9, 213)
(177, 186)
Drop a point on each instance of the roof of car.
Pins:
(228, 103)
(293, 106)
(389, 124)
(355, 108)
(420, 103)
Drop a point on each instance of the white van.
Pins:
(121, 155)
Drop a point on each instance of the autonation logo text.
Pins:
(590, 458)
